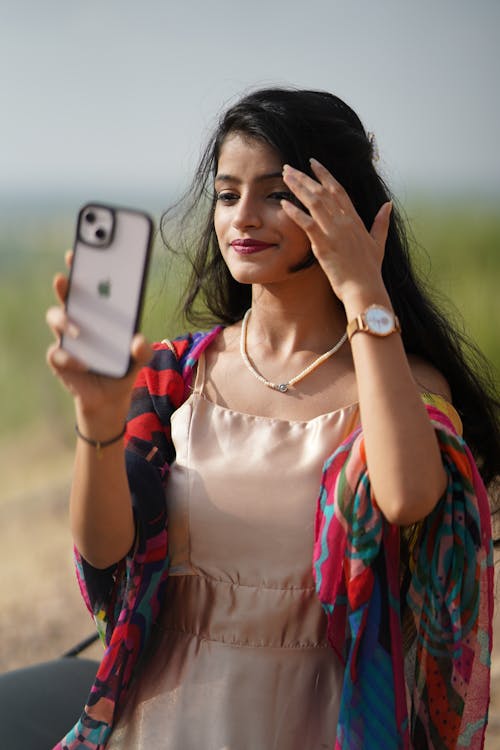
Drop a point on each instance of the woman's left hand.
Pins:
(349, 254)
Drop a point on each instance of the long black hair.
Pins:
(300, 124)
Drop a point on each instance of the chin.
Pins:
(247, 271)
(263, 271)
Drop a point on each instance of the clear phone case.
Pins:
(107, 280)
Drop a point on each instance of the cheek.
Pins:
(296, 234)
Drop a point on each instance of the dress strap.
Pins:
(200, 375)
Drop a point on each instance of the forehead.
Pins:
(242, 153)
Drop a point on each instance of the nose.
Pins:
(246, 213)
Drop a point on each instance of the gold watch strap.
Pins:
(359, 324)
(355, 325)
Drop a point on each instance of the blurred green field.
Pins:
(30, 255)
(457, 247)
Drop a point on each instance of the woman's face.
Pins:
(258, 241)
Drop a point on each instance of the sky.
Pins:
(111, 97)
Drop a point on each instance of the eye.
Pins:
(282, 195)
(226, 197)
(285, 195)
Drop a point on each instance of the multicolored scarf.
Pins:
(356, 564)
(357, 570)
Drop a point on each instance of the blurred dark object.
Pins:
(40, 704)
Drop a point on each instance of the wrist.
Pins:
(376, 320)
(101, 424)
(100, 444)
(357, 299)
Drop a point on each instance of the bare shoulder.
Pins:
(428, 378)
(226, 341)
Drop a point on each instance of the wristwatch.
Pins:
(376, 320)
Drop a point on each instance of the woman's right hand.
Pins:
(101, 402)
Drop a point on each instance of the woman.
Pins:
(330, 349)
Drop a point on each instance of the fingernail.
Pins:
(73, 330)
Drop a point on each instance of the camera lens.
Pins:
(90, 217)
(100, 233)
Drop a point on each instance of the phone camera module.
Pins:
(96, 226)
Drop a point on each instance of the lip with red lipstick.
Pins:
(248, 246)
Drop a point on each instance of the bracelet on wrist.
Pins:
(100, 444)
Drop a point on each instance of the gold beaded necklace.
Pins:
(282, 387)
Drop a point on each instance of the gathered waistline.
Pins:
(244, 616)
(240, 644)
(192, 572)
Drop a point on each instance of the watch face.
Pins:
(379, 320)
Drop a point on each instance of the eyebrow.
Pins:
(260, 178)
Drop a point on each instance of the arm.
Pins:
(101, 518)
(158, 390)
(402, 453)
(100, 510)
(403, 456)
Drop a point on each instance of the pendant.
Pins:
(282, 388)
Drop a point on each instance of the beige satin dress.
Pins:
(243, 662)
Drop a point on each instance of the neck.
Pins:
(299, 316)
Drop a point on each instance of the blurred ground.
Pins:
(42, 614)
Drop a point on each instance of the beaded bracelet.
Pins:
(100, 444)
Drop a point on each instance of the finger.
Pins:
(58, 321)
(327, 179)
(380, 226)
(308, 225)
(51, 359)
(302, 185)
(325, 184)
(141, 353)
(141, 350)
(301, 218)
(321, 202)
(60, 286)
(68, 258)
(61, 361)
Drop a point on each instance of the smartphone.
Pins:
(107, 280)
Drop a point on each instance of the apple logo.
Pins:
(104, 288)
